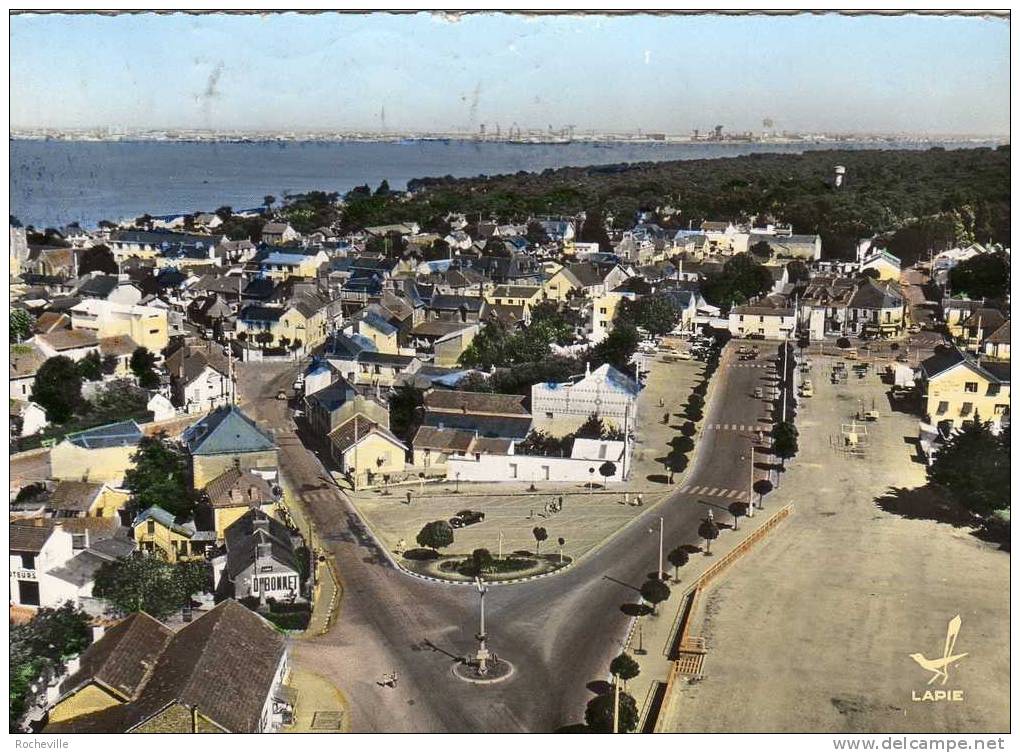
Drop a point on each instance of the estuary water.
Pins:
(57, 182)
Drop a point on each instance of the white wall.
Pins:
(528, 468)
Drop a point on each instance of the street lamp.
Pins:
(457, 479)
(483, 654)
(750, 489)
(661, 524)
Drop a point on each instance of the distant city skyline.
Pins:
(429, 72)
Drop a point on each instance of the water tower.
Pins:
(840, 173)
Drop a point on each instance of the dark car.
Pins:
(466, 518)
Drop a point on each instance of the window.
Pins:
(548, 414)
(1001, 409)
(993, 389)
(966, 409)
(970, 387)
(153, 331)
(28, 562)
(28, 593)
(266, 569)
(150, 527)
(943, 407)
(761, 319)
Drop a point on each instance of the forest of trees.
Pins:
(918, 199)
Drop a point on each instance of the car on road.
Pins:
(299, 383)
(758, 394)
(807, 389)
(281, 395)
(466, 518)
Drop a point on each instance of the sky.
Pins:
(400, 73)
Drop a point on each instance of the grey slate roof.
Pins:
(121, 434)
(226, 430)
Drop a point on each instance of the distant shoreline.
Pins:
(607, 141)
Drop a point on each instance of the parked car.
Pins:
(758, 394)
(807, 389)
(466, 518)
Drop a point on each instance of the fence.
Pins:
(685, 651)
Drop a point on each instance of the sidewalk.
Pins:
(655, 634)
(327, 592)
(320, 707)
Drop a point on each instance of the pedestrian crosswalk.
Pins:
(713, 491)
(739, 427)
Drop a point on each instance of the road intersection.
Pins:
(560, 632)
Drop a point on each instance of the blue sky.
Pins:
(405, 72)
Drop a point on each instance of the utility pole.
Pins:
(500, 555)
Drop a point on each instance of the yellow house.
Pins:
(147, 326)
(885, 264)
(372, 326)
(156, 532)
(603, 312)
(226, 438)
(365, 449)
(301, 321)
(280, 265)
(233, 493)
(515, 295)
(761, 321)
(956, 389)
(101, 454)
(560, 285)
(84, 499)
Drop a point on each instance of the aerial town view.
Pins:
(493, 372)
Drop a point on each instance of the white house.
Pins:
(45, 569)
(495, 460)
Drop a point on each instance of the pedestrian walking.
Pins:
(640, 500)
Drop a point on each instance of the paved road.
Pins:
(559, 632)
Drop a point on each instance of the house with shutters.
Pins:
(957, 388)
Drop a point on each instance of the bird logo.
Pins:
(940, 667)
